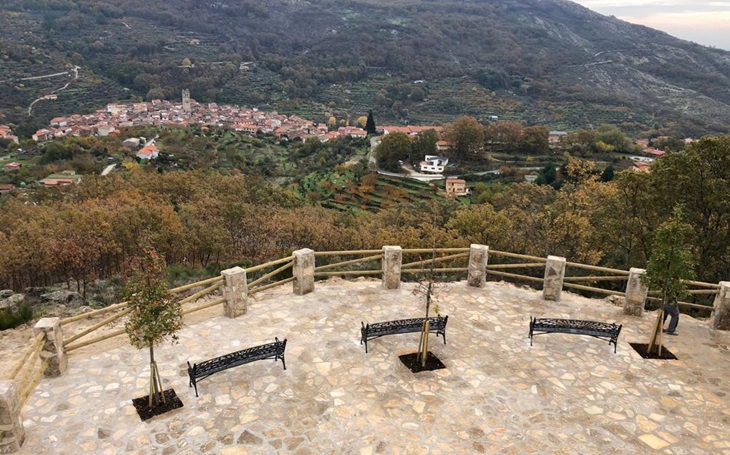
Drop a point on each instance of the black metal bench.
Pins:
(603, 330)
(200, 371)
(436, 325)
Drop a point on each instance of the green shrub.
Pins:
(9, 319)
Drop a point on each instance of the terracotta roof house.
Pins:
(443, 146)
(411, 130)
(148, 152)
(456, 187)
(654, 152)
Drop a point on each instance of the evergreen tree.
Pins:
(370, 123)
(608, 173)
(547, 176)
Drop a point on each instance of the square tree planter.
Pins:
(146, 413)
(411, 361)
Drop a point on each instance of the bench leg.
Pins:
(195, 384)
(366, 345)
(283, 361)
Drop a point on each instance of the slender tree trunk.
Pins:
(156, 395)
(656, 339)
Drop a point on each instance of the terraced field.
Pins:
(386, 192)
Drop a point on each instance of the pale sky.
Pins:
(702, 21)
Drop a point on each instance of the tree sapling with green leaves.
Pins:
(154, 317)
(670, 265)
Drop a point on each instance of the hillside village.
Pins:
(107, 121)
(252, 121)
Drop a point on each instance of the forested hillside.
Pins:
(547, 62)
(203, 219)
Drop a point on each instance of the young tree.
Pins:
(427, 288)
(370, 123)
(154, 317)
(670, 264)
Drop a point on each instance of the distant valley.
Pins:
(550, 63)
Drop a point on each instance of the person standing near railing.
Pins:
(671, 309)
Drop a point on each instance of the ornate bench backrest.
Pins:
(264, 351)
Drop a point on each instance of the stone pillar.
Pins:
(53, 348)
(478, 258)
(235, 291)
(12, 433)
(392, 261)
(720, 319)
(554, 274)
(636, 292)
(303, 271)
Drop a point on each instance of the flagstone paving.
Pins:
(566, 394)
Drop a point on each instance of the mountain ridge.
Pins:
(540, 61)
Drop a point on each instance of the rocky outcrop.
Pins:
(63, 297)
(9, 300)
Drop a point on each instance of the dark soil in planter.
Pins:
(641, 349)
(411, 361)
(145, 412)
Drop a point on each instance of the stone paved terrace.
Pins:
(567, 394)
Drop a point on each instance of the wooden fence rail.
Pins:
(26, 389)
(596, 268)
(270, 274)
(685, 304)
(349, 273)
(450, 257)
(96, 326)
(592, 289)
(431, 250)
(439, 270)
(270, 285)
(517, 256)
(347, 253)
(35, 345)
(525, 265)
(596, 278)
(256, 268)
(376, 257)
(515, 275)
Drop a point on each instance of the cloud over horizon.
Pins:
(704, 22)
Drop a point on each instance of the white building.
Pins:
(434, 164)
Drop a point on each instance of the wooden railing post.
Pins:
(478, 258)
(720, 319)
(53, 350)
(303, 271)
(12, 433)
(636, 293)
(392, 262)
(235, 291)
(554, 274)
